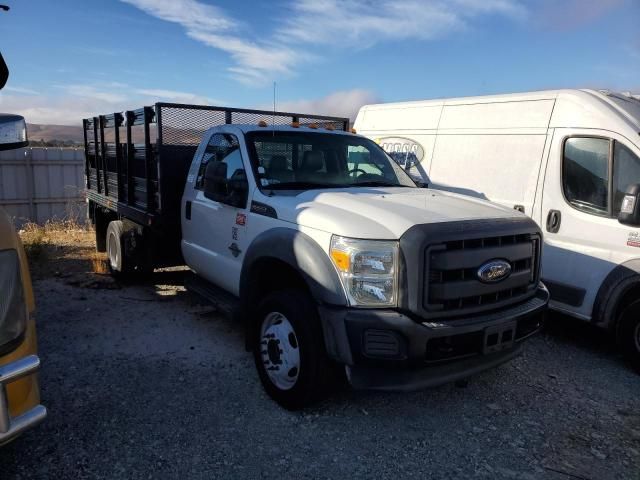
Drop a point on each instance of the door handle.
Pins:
(553, 221)
(235, 250)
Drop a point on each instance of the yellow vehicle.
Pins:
(20, 407)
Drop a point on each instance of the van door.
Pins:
(214, 233)
(585, 180)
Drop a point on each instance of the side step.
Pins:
(220, 299)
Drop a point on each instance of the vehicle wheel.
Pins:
(289, 350)
(118, 264)
(629, 333)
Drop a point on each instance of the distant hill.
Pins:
(55, 133)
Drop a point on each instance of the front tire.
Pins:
(629, 333)
(289, 349)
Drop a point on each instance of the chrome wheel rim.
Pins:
(279, 351)
(113, 252)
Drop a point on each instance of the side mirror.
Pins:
(231, 191)
(13, 132)
(630, 208)
(215, 181)
(4, 72)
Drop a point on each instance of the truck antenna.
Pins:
(273, 118)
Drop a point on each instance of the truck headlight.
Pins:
(13, 310)
(368, 270)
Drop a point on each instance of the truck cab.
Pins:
(341, 263)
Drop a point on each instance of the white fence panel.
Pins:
(40, 184)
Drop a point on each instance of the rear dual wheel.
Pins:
(126, 261)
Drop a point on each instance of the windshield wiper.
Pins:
(301, 186)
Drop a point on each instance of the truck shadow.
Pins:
(579, 333)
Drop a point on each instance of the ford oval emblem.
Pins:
(494, 271)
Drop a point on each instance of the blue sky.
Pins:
(75, 58)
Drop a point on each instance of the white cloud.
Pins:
(363, 23)
(191, 14)
(359, 23)
(255, 62)
(71, 103)
(344, 103)
(178, 97)
(22, 90)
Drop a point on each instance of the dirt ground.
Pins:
(144, 381)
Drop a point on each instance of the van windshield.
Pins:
(308, 160)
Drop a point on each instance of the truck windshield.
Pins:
(308, 160)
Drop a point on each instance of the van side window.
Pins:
(585, 174)
(222, 147)
(626, 171)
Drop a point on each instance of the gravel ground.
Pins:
(140, 382)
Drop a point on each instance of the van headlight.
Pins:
(13, 310)
(368, 270)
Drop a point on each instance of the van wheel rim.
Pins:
(636, 336)
(113, 252)
(280, 351)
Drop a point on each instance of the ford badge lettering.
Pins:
(494, 271)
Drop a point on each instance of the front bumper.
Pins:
(10, 427)
(388, 350)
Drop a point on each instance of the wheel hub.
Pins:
(279, 350)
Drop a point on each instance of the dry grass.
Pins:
(99, 263)
(61, 248)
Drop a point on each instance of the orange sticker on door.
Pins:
(241, 219)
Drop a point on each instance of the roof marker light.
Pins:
(295, 124)
(313, 125)
(262, 123)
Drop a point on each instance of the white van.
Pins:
(567, 158)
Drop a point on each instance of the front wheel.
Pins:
(629, 333)
(289, 349)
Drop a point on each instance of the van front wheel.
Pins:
(629, 333)
(289, 349)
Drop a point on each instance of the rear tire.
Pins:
(289, 349)
(629, 333)
(118, 264)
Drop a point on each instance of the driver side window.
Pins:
(222, 147)
(585, 174)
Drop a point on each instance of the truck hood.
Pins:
(380, 213)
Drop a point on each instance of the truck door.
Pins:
(585, 181)
(214, 232)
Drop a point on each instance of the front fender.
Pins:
(300, 252)
(613, 288)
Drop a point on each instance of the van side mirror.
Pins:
(13, 132)
(630, 208)
(219, 188)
